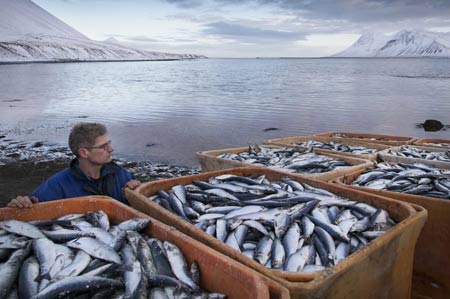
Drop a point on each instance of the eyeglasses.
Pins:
(103, 146)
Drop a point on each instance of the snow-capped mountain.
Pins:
(29, 33)
(402, 44)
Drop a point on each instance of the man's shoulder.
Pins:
(61, 175)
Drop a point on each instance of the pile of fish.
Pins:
(283, 225)
(417, 179)
(338, 147)
(83, 256)
(441, 144)
(288, 159)
(342, 135)
(414, 152)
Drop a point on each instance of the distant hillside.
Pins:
(29, 33)
(401, 44)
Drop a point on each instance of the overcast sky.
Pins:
(247, 28)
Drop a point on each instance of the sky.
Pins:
(247, 28)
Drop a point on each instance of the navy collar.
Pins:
(104, 185)
(107, 169)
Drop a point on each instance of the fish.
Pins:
(278, 254)
(98, 218)
(64, 235)
(416, 178)
(337, 147)
(297, 261)
(291, 159)
(419, 153)
(85, 267)
(75, 285)
(134, 279)
(96, 249)
(79, 263)
(27, 284)
(298, 215)
(179, 265)
(159, 258)
(46, 253)
(281, 224)
(136, 224)
(21, 228)
(263, 250)
(11, 241)
(9, 271)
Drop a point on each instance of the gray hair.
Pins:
(84, 135)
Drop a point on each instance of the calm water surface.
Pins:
(166, 111)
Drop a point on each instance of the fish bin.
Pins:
(372, 138)
(410, 154)
(289, 229)
(433, 142)
(430, 188)
(171, 262)
(297, 161)
(351, 148)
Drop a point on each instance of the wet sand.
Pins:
(21, 178)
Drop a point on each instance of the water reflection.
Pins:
(188, 106)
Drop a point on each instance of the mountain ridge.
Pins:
(28, 33)
(405, 43)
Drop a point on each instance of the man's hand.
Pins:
(132, 184)
(22, 202)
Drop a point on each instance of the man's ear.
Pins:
(83, 153)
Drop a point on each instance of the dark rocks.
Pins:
(270, 129)
(432, 125)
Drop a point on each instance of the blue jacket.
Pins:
(72, 182)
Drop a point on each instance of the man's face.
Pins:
(100, 152)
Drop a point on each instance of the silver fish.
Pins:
(75, 285)
(98, 218)
(178, 264)
(278, 254)
(96, 249)
(46, 252)
(11, 241)
(27, 284)
(281, 224)
(263, 250)
(291, 239)
(21, 228)
(10, 270)
(298, 260)
(77, 266)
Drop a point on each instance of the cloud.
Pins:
(186, 3)
(145, 39)
(351, 13)
(142, 38)
(360, 10)
(247, 33)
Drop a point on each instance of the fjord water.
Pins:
(166, 111)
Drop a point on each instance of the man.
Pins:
(91, 172)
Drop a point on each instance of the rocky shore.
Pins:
(23, 167)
